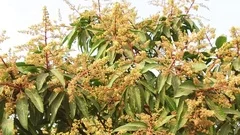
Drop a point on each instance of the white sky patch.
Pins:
(19, 14)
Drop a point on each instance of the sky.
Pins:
(19, 14)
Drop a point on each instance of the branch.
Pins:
(209, 40)
(45, 44)
(99, 9)
(10, 85)
(188, 10)
(238, 49)
(5, 64)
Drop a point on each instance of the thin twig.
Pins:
(209, 40)
(99, 9)
(188, 10)
(45, 43)
(238, 49)
(10, 85)
(5, 64)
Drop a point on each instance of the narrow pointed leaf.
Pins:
(7, 126)
(163, 121)
(133, 126)
(73, 107)
(137, 95)
(2, 106)
(41, 78)
(148, 67)
(161, 82)
(147, 86)
(189, 85)
(52, 97)
(225, 129)
(183, 92)
(59, 76)
(35, 99)
(236, 64)
(70, 37)
(219, 113)
(101, 50)
(196, 67)
(96, 45)
(114, 77)
(82, 105)
(22, 111)
(170, 103)
(231, 111)
(166, 31)
(55, 106)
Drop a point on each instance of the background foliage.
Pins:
(164, 75)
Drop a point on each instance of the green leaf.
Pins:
(170, 103)
(32, 129)
(35, 98)
(52, 97)
(41, 78)
(128, 110)
(236, 64)
(219, 113)
(175, 82)
(96, 45)
(147, 86)
(220, 41)
(127, 107)
(27, 69)
(148, 67)
(137, 96)
(22, 111)
(231, 111)
(183, 92)
(225, 129)
(95, 82)
(111, 56)
(189, 22)
(19, 64)
(83, 39)
(101, 50)
(73, 106)
(94, 102)
(2, 106)
(128, 53)
(7, 126)
(189, 85)
(196, 67)
(71, 37)
(161, 82)
(166, 31)
(82, 105)
(55, 105)
(131, 99)
(185, 89)
(181, 119)
(160, 122)
(114, 77)
(59, 76)
(142, 37)
(188, 55)
(132, 126)
(237, 100)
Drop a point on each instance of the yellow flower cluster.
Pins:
(198, 115)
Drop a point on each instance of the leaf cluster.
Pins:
(161, 75)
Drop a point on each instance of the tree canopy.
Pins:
(166, 75)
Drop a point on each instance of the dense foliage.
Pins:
(164, 75)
